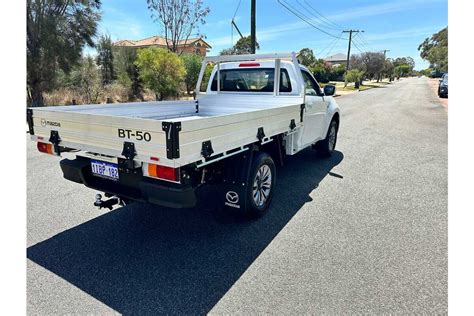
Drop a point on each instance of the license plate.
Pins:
(104, 169)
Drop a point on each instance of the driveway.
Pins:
(362, 232)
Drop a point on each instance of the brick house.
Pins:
(191, 45)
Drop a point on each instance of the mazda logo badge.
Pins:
(232, 197)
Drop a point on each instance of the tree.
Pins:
(192, 64)
(357, 62)
(402, 70)
(435, 50)
(206, 77)
(404, 61)
(126, 70)
(105, 59)
(321, 70)
(85, 78)
(179, 19)
(306, 57)
(337, 72)
(161, 71)
(56, 31)
(242, 47)
(388, 68)
(374, 64)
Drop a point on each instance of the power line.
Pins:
(332, 49)
(330, 46)
(322, 16)
(321, 21)
(358, 47)
(358, 41)
(325, 48)
(306, 17)
(367, 44)
(232, 25)
(237, 9)
(297, 14)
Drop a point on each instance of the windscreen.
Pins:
(251, 80)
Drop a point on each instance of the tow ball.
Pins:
(110, 203)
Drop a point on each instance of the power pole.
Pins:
(349, 48)
(385, 52)
(252, 27)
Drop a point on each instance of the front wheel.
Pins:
(260, 186)
(326, 147)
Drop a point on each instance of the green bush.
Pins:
(354, 75)
(160, 70)
(192, 63)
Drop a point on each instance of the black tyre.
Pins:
(261, 184)
(325, 147)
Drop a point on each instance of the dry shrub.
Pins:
(116, 92)
(62, 96)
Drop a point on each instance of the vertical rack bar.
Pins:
(218, 77)
(201, 75)
(299, 75)
(276, 80)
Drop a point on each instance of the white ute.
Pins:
(265, 107)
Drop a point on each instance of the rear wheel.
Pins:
(326, 147)
(260, 185)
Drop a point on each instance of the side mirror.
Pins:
(329, 89)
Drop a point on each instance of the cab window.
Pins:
(311, 86)
(251, 80)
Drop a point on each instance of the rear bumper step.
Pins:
(133, 186)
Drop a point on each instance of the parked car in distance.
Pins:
(443, 86)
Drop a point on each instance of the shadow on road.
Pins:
(143, 259)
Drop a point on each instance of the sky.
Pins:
(395, 25)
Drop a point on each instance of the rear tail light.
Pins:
(161, 172)
(45, 148)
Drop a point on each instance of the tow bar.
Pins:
(110, 203)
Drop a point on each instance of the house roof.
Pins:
(336, 57)
(159, 41)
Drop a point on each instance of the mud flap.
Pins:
(233, 190)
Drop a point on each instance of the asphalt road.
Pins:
(362, 232)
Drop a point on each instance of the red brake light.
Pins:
(45, 148)
(249, 65)
(162, 172)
